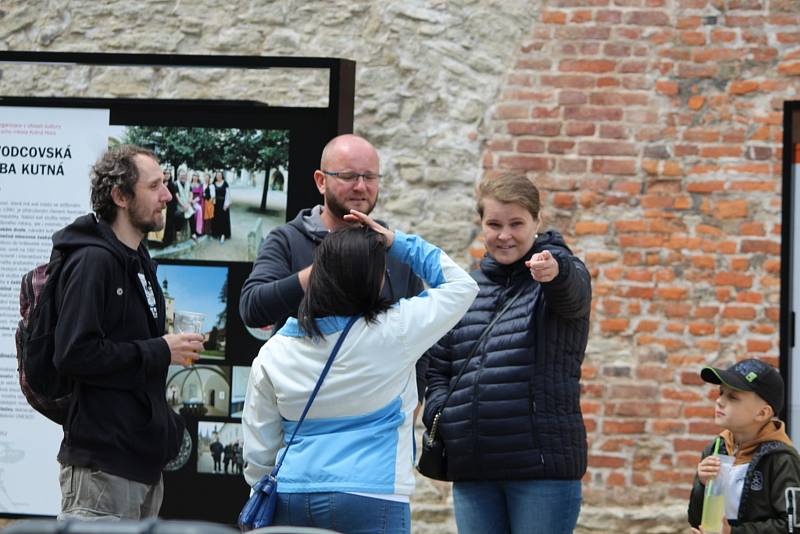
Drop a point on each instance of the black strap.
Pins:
(316, 390)
(472, 353)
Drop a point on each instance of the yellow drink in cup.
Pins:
(714, 499)
(713, 509)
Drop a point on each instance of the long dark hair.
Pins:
(346, 278)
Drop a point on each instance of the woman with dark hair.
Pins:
(350, 468)
(221, 226)
(504, 384)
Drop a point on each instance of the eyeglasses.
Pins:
(352, 177)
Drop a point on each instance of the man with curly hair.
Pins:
(110, 340)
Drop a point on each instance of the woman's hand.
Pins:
(708, 469)
(365, 220)
(543, 266)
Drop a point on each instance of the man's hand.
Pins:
(708, 469)
(184, 348)
(365, 220)
(543, 266)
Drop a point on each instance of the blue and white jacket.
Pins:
(358, 435)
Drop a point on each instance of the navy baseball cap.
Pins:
(750, 375)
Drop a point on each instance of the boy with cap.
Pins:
(765, 461)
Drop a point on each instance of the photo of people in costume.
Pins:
(228, 186)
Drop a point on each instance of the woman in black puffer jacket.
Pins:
(513, 429)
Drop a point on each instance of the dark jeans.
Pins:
(517, 506)
(343, 512)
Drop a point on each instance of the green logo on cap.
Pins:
(750, 376)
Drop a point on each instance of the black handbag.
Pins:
(433, 458)
(259, 510)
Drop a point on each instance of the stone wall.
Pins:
(652, 126)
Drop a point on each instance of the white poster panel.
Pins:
(45, 158)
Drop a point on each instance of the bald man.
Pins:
(348, 178)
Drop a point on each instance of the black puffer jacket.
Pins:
(515, 413)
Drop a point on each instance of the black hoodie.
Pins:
(109, 342)
(515, 413)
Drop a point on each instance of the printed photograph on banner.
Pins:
(219, 448)
(238, 389)
(228, 188)
(196, 299)
(199, 390)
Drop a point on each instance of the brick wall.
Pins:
(654, 128)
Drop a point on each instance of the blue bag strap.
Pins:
(316, 390)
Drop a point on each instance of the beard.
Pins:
(339, 210)
(142, 221)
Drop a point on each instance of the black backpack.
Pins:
(44, 388)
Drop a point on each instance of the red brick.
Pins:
(614, 325)
(668, 427)
(616, 480)
(596, 460)
(592, 148)
(564, 201)
(572, 166)
(758, 345)
(747, 313)
(672, 293)
(731, 209)
(587, 65)
(530, 145)
(703, 427)
(540, 128)
(699, 411)
(591, 228)
(693, 38)
(684, 444)
(610, 166)
(743, 87)
(701, 329)
(586, 113)
(741, 281)
(554, 17)
(647, 18)
(752, 228)
(623, 427)
(754, 246)
(524, 162)
(560, 147)
(667, 87)
(640, 391)
(580, 128)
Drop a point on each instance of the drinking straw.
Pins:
(710, 482)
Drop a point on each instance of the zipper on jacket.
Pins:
(534, 436)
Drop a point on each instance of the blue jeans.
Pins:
(517, 506)
(343, 512)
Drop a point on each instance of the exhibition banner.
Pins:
(45, 159)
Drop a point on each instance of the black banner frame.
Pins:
(199, 496)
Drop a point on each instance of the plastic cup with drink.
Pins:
(714, 498)
(187, 322)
